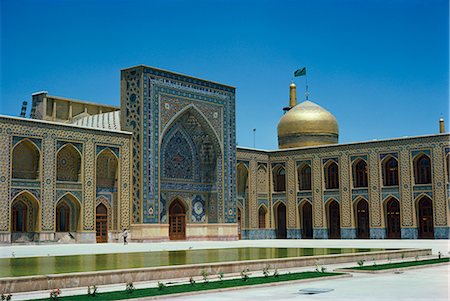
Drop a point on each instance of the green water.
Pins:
(12, 267)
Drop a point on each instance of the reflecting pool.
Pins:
(11, 267)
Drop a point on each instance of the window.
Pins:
(360, 174)
(279, 179)
(331, 176)
(304, 177)
(390, 172)
(422, 170)
(262, 217)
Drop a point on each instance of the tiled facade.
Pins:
(173, 144)
(406, 192)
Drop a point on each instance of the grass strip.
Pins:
(197, 287)
(398, 265)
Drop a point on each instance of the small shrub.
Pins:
(244, 274)
(360, 262)
(161, 285)
(205, 275)
(191, 280)
(54, 294)
(129, 287)
(6, 296)
(92, 290)
(266, 271)
(220, 276)
(320, 269)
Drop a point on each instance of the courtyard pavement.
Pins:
(420, 284)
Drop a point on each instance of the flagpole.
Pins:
(306, 93)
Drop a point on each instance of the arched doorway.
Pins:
(24, 217)
(426, 226)
(239, 222)
(334, 220)
(281, 221)
(307, 225)
(177, 221)
(19, 217)
(393, 218)
(101, 223)
(362, 219)
(262, 212)
(62, 217)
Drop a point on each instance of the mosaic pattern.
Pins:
(52, 135)
(152, 102)
(373, 153)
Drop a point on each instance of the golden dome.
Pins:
(307, 124)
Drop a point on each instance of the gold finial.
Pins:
(441, 125)
(293, 95)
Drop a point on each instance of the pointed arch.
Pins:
(200, 117)
(304, 177)
(179, 156)
(25, 210)
(391, 207)
(331, 175)
(177, 220)
(389, 166)
(262, 216)
(263, 186)
(362, 218)
(359, 173)
(242, 180)
(333, 218)
(280, 219)
(422, 169)
(26, 160)
(424, 212)
(102, 213)
(67, 218)
(279, 178)
(68, 163)
(305, 210)
(107, 168)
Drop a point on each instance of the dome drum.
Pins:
(305, 139)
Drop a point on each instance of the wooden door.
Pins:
(177, 221)
(393, 219)
(101, 223)
(362, 218)
(426, 227)
(307, 226)
(281, 221)
(334, 224)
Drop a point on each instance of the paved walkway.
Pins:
(420, 284)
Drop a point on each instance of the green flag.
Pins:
(300, 72)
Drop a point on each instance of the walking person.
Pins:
(125, 235)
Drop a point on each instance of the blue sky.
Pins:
(380, 66)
